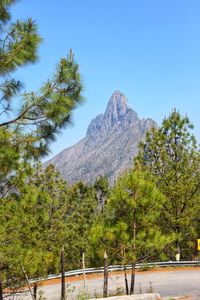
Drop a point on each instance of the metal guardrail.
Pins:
(121, 267)
(112, 268)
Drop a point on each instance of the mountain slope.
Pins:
(110, 144)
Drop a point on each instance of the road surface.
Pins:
(169, 284)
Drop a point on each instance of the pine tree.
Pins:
(27, 130)
(101, 187)
(80, 219)
(38, 217)
(171, 154)
(129, 231)
(33, 226)
(25, 134)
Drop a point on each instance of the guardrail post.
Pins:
(62, 274)
(105, 285)
(84, 276)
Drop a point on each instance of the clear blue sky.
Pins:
(148, 49)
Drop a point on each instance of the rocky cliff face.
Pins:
(110, 144)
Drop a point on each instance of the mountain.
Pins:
(109, 146)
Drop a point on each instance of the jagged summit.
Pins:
(116, 110)
(110, 144)
(117, 104)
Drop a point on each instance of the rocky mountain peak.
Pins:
(116, 109)
(109, 147)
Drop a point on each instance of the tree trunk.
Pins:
(27, 280)
(126, 280)
(62, 274)
(105, 284)
(35, 290)
(1, 291)
(132, 279)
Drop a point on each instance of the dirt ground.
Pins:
(96, 276)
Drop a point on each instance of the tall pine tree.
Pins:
(172, 155)
(129, 229)
(27, 130)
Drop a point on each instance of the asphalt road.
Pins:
(168, 283)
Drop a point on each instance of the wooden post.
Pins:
(62, 260)
(178, 250)
(35, 286)
(126, 280)
(132, 287)
(105, 284)
(84, 276)
(26, 277)
(132, 279)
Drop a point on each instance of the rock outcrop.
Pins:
(109, 147)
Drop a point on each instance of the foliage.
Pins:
(31, 121)
(129, 231)
(82, 215)
(171, 154)
(31, 220)
(101, 187)
(40, 216)
(33, 226)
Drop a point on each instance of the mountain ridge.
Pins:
(109, 146)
